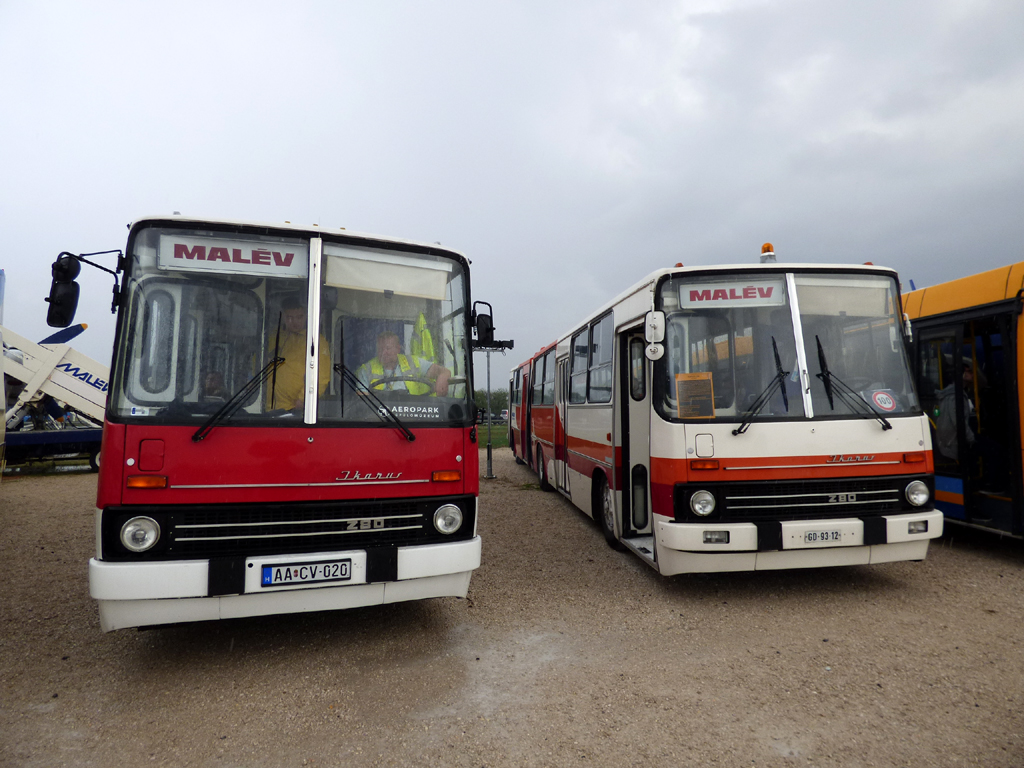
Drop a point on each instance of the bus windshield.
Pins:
(732, 347)
(215, 318)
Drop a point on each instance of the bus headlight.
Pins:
(702, 503)
(917, 493)
(448, 518)
(140, 534)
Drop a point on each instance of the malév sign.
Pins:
(238, 257)
(733, 293)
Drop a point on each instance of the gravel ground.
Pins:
(565, 653)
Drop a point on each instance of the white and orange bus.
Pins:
(739, 418)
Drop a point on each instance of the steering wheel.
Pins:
(375, 385)
(859, 383)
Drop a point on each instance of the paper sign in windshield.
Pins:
(758, 292)
(695, 396)
(235, 257)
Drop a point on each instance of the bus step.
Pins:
(642, 546)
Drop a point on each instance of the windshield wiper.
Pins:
(382, 411)
(227, 410)
(777, 383)
(847, 395)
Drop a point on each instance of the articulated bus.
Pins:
(290, 423)
(518, 413)
(969, 361)
(738, 418)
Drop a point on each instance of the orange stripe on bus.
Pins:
(951, 498)
(671, 471)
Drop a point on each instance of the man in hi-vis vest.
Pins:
(390, 370)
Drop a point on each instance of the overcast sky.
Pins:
(567, 148)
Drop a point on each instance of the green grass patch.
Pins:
(498, 435)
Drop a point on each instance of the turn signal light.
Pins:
(704, 464)
(913, 458)
(447, 476)
(146, 481)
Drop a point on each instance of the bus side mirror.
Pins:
(907, 327)
(484, 330)
(654, 327)
(63, 298)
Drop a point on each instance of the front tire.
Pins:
(542, 472)
(604, 512)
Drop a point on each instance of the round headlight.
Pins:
(702, 503)
(448, 518)
(917, 493)
(140, 534)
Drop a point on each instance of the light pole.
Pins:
(483, 324)
(490, 473)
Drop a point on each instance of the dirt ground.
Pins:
(565, 654)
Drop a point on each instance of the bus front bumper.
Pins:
(178, 591)
(715, 547)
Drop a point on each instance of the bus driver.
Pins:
(389, 369)
(287, 388)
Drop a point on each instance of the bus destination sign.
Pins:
(237, 257)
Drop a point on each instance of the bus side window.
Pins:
(157, 342)
(637, 369)
(578, 373)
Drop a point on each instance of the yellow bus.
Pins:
(968, 351)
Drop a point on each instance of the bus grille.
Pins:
(233, 530)
(799, 499)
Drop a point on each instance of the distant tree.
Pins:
(499, 400)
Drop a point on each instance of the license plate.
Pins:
(281, 575)
(823, 537)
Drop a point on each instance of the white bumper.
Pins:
(681, 547)
(149, 594)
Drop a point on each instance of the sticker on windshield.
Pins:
(415, 411)
(884, 400)
(758, 292)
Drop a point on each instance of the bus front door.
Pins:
(635, 405)
(561, 427)
(968, 387)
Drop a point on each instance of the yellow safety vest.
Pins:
(422, 343)
(414, 387)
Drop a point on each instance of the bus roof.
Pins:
(652, 279)
(971, 291)
(287, 226)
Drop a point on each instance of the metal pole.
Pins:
(490, 473)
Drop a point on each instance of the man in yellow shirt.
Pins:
(286, 387)
(389, 369)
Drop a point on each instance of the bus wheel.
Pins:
(604, 512)
(94, 461)
(542, 472)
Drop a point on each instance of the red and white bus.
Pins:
(518, 413)
(739, 418)
(256, 459)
